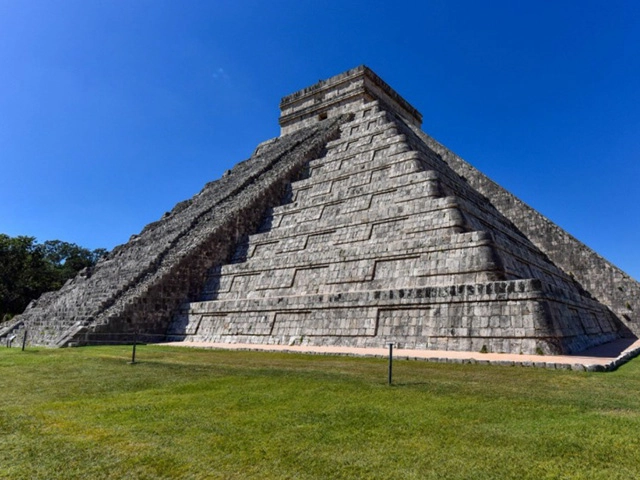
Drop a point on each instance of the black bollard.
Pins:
(24, 339)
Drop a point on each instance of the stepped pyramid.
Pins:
(353, 227)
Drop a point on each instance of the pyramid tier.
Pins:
(522, 316)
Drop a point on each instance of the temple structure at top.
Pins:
(342, 94)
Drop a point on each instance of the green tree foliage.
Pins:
(28, 269)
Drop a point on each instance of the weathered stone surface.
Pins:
(352, 228)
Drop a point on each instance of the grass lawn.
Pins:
(183, 413)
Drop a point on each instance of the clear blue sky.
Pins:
(113, 111)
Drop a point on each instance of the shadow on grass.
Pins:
(409, 384)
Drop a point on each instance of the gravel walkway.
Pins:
(602, 358)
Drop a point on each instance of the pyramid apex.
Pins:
(340, 94)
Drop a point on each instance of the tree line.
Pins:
(28, 269)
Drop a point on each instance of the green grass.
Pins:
(182, 413)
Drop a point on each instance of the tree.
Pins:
(68, 259)
(28, 269)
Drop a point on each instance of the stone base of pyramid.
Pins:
(520, 316)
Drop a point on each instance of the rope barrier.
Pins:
(136, 338)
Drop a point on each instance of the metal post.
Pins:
(24, 339)
(133, 353)
(390, 363)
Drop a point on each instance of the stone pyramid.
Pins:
(352, 228)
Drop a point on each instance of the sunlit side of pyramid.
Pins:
(352, 228)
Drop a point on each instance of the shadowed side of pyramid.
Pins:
(352, 228)
(138, 286)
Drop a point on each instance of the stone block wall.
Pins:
(507, 316)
